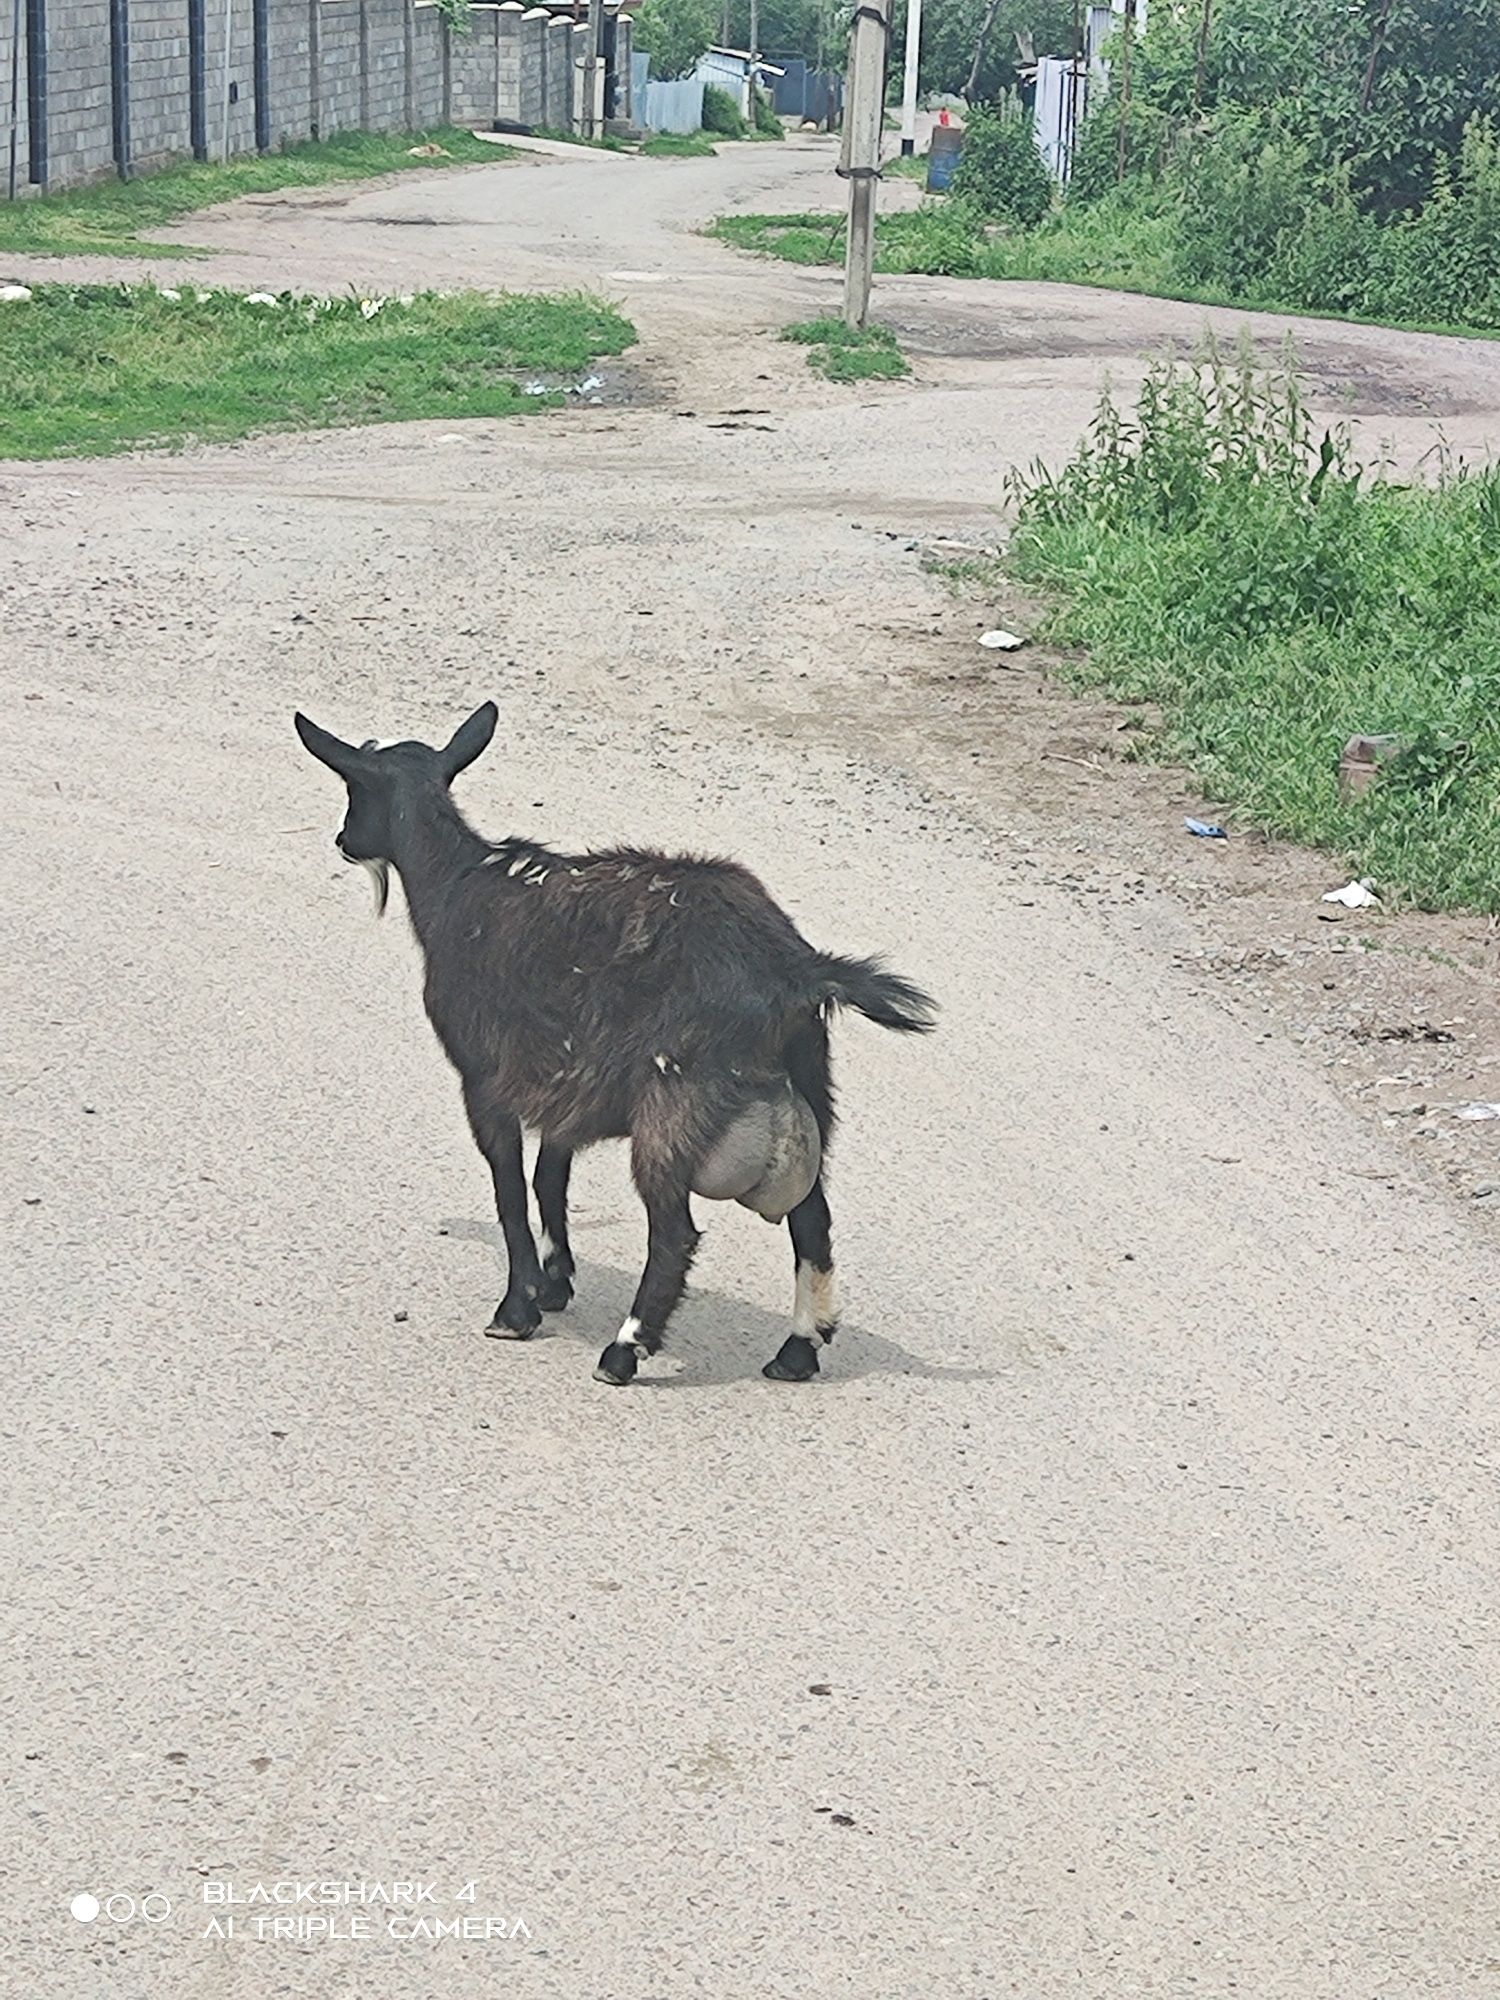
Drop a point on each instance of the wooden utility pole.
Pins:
(864, 117)
(909, 81)
(1127, 43)
(1202, 64)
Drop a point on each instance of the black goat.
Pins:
(617, 995)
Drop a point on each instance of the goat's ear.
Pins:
(330, 750)
(468, 740)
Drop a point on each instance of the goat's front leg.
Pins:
(671, 1242)
(553, 1165)
(498, 1136)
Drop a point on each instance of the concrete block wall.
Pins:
(475, 58)
(557, 114)
(430, 59)
(241, 76)
(330, 66)
(293, 106)
(80, 143)
(508, 58)
(535, 55)
(23, 136)
(385, 68)
(161, 125)
(341, 97)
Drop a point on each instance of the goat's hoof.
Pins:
(513, 1322)
(797, 1361)
(555, 1293)
(617, 1364)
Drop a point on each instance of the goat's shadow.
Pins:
(716, 1337)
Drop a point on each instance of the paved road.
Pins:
(1117, 1614)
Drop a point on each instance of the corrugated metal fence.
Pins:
(665, 107)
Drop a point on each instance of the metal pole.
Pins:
(909, 87)
(860, 165)
(224, 109)
(15, 92)
(591, 70)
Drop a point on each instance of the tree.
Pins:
(952, 33)
(675, 33)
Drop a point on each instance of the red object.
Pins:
(943, 115)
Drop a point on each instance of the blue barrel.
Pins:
(943, 157)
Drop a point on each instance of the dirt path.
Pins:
(1116, 1616)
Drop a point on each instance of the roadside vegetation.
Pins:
(117, 216)
(850, 354)
(1265, 597)
(679, 146)
(1289, 155)
(94, 369)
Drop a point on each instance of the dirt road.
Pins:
(1117, 1615)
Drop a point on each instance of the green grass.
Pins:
(680, 146)
(1218, 559)
(93, 369)
(796, 239)
(850, 354)
(1118, 244)
(905, 167)
(112, 217)
(606, 142)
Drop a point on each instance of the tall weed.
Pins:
(1221, 557)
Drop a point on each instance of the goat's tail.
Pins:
(883, 997)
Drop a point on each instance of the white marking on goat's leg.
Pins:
(545, 1247)
(629, 1336)
(815, 1313)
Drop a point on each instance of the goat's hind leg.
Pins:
(498, 1137)
(550, 1182)
(673, 1238)
(815, 1310)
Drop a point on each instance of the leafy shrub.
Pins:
(721, 114)
(1443, 264)
(1001, 171)
(941, 239)
(1246, 185)
(1150, 138)
(767, 124)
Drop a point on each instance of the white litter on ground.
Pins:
(1353, 896)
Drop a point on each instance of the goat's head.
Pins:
(381, 777)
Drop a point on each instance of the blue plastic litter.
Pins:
(1205, 830)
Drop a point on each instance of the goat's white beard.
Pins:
(379, 873)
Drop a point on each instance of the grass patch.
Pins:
(796, 239)
(904, 167)
(850, 354)
(93, 369)
(606, 142)
(1218, 559)
(112, 216)
(679, 146)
